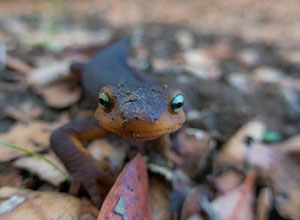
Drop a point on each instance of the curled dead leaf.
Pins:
(194, 201)
(233, 153)
(227, 181)
(34, 205)
(33, 136)
(11, 177)
(113, 153)
(46, 74)
(17, 65)
(237, 204)
(61, 95)
(192, 147)
(264, 204)
(160, 196)
(25, 113)
(201, 64)
(43, 169)
(290, 146)
(195, 217)
(281, 168)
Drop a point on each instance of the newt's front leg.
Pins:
(94, 176)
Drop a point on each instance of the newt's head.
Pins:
(140, 112)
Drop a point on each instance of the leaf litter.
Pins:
(33, 136)
(19, 204)
(217, 169)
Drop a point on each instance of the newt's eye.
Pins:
(177, 103)
(104, 100)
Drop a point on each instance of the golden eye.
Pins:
(104, 100)
(177, 103)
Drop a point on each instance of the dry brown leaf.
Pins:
(194, 201)
(112, 153)
(46, 74)
(234, 151)
(164, 171)
(62, 38)
(33, 136)
(18, 204)
(25, 113)
(10, 176)
(238, 203)
(195, 217)
(264, 204)
(192, 145)
(61, 94)
(281, 168)
(43, 169)
(271, 75)
(17, 65)
(228, 181)
(285, 183)
(185, 39)
(262, 156)
(159, 195)
(220, 50)
(290, 146)
(201, 64)
(267, 74)
(163, 65)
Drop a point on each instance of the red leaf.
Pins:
(128, 198)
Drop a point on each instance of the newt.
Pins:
(128, 103)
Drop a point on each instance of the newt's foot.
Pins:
(95, 178)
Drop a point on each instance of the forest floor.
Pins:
(237, 63)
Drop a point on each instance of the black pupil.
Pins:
(177, 105)
(103, 102)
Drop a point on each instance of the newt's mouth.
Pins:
(140, 128)
(144, 135)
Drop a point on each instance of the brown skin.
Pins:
(139, 109)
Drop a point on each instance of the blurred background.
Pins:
(270, 20)
(236, 61)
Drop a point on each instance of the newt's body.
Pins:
(130, 104)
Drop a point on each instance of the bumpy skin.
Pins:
(139, 110)
(109, 67)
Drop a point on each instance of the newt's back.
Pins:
(109, 67)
